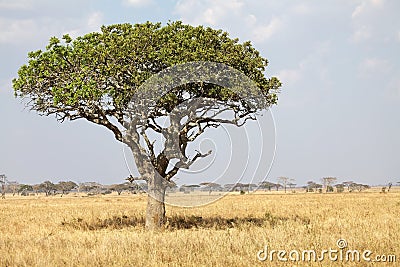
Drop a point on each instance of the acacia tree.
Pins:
(95, 77)
(348, 184)
(291, 185)
(13, 187)
(66, 187)
(285, 181)
(360, 187)
(311, 186)
(120, 187)
(267, 185)
(277, 185)
(328, 181)
(24, 189)
(47, 187)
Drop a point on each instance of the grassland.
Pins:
(109, 231)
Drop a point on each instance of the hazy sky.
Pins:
(339, 62)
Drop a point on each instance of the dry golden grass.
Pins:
(108, 230)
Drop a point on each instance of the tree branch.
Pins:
(185, 165)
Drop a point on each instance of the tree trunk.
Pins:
(155, 212)
(156, 186)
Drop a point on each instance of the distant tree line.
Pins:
(328, 184)
(65, 187)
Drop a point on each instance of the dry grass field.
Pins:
(109, 230)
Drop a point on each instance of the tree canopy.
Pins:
(95, 76)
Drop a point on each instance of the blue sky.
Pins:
(339, 62)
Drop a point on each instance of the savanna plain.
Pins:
(78, 230)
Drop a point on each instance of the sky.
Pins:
(339, 108)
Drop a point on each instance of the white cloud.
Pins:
(94, 21)
(367, 6)
(183, 7)
(374, 20)
(383, 73)
(15, 4)
(262, 33)
(302, 9)
(313, 63)
(91, 23)
(234, 15)
(378, 3)
(375, 66)
(209, 12)
(17, 31)
(210, 16)
(361, 34)
(251, 19)
(359, 10)
(291, 76)
(136, 2)
(20, 31)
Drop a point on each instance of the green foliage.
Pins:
(312, 186)
(329, 189)
(94, 76)
(24, 188)
(66, 187)
(121, 187)
(340, 188)
(47, 187)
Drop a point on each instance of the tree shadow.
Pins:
(178, 222)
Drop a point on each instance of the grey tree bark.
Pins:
(155, 211)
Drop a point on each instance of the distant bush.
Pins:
(340, 188)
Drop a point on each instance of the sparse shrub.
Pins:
(340, 188)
